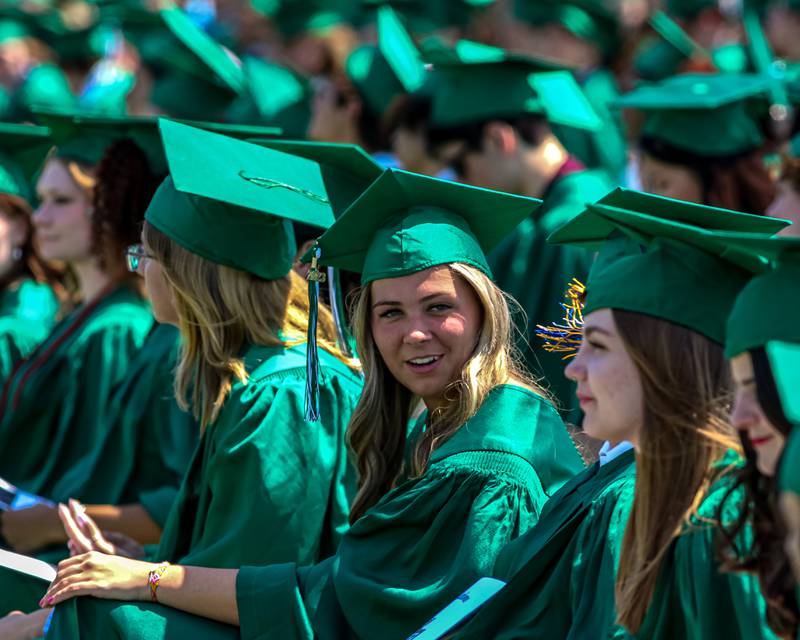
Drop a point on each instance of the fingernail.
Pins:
(41, 602)
(50, 599)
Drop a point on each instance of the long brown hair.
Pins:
(30, 264)
(687, 389)
(377, 429)
(221, 310)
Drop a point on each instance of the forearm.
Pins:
(131, 520)
(210, 593)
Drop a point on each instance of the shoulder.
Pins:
(122, 310)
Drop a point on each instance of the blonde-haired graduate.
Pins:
(268, 483)
(640, 346)
(435, 503)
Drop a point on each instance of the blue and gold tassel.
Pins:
(566, 338)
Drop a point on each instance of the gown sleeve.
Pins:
(411, 554)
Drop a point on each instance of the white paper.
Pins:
(27, 565)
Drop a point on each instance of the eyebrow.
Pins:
(381, 303)
(590, 330)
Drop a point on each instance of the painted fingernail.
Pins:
(50, 599)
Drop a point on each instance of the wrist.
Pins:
(155, 574)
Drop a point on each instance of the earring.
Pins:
(16, 254)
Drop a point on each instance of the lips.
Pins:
(757, 442)
(424, 364)
(584, 399)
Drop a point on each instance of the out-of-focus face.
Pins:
(62, 220)
(12, 237)
(409, 145)
(552, 41)
(331, 121)
(426, 326)
(782, 26)
(786, 205)
(158, 289)
(669, 180)
(609, 385)
(747, 416)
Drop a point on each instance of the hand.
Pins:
(99, 575)
(33, 528)
(20, 626)
(84, 534)
(790, 510)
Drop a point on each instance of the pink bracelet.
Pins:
(155, 577)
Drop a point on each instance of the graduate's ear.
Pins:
(501, 138)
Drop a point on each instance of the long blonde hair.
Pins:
(220, 310)
(377, 429)
(687, 390)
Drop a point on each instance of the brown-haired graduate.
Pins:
(53, 404)
(702, 141)
(767, 310)
(28, 285)
(644, 347)
(435, 504)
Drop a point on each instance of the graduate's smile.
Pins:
(424, 364)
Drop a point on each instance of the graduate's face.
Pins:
(12, 237)
(609, 385)
(62, 220)
(669, 180)
(786, 205)
(425, 326)
(332, 117)
(748, 417)
(158, 290)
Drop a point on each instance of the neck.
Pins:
(540, 166)
(91, 279)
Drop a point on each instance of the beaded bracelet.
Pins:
(155, 577)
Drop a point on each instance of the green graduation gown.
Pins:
(146, 449)
(27, 315)
(605, 149)
(693, 600)
(54, 405)
(537, 274)
(264, 486)
(560, 575)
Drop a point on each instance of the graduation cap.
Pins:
(347, 170)
(231, 202)
(496, 84)
(295, 17)
(662, 267)
(392, 68)
(23, 149)
(768, 307)
(405, 223)
(85, 137)
(784, 361)
(709, 115)
(591, 20)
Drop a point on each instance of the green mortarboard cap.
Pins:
(275, 95)
(23, 148)
(591, 20)
(784, 361)
(231, 201)
(768, 307)
(764, 62)
(45, 86)
(709, 115)
(11, 29)
(649, 263)
(392, 68)
(295, 17)
(347, 169)
(789, 478)
(509, 87)
(405, 223)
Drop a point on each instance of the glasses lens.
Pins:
(133, 257)
(133, 263)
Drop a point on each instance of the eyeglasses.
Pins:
(134, 256)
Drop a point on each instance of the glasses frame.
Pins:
(134, 255)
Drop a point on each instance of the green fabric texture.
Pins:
(22, 151)
(789, 476)
(709, 115)
(768, 307)
(405, 223)
(235, 207)
(347, 170)
(655, 264)
(689, 9)
(54, 407)
(595, 21)
(536, 274)
(146, 448)
(27, 315)
(711, 603)
(784, 361)
(426, 540)
(560, 575)
(607, 147)
(498, 84)
(293, 506)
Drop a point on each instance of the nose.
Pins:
(41, 217)
(742, 415)
(416, 332)
(575, 370)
